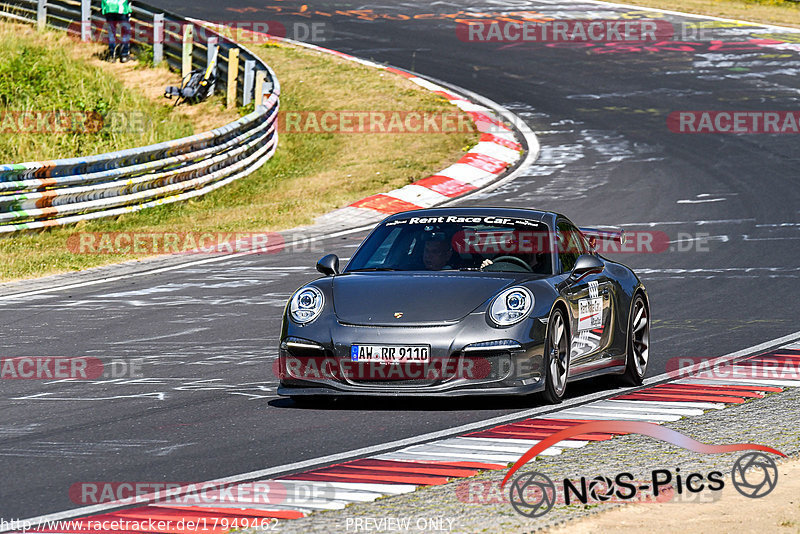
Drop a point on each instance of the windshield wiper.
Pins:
(367, 269)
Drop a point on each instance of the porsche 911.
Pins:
(466, 301)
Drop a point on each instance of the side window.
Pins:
(570, 245)
(583, 242)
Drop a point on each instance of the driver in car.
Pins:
(437, 254)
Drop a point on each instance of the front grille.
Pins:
(399, 375)
(473, 368)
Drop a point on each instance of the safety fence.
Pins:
(49, 193)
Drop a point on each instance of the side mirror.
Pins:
(328, 265)
(586, 263)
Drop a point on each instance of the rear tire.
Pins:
(556, 358)
(638, 351)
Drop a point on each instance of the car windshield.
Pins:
(456, 243)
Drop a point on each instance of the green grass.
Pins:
(309, 175)
(780, 12)
(39, 73)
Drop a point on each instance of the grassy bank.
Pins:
(778, 12)
(309, 175)
(48, 72)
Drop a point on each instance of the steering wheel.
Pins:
(515, 260)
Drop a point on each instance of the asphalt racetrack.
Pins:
(206, 405)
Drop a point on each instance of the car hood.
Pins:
(376, 298)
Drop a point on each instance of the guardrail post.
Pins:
(233, 75)
(86, 20)
(211, 59)
(41, 14)
(188, 42)
(249, 75)
(261, 77)
(158, 38)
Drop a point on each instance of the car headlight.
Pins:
(511, 306)
(306, 305)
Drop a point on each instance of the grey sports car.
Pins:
(466, 301)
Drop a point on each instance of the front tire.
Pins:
(638, 352)
(556, 358)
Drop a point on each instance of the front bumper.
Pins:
(292, 391)
(466, 358)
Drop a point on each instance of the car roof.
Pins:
(521, 213)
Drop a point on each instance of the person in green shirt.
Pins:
(118, 15)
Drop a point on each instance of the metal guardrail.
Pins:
(42, 194)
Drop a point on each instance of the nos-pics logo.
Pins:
(533, 494)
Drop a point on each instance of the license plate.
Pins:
(390, 353)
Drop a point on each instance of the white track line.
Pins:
(631, 406)
(365, 487)
(479, 448)
(338, 493)
(417, 195)
(237, 506)
(495, 151)
(565, 444)
(328, 504)
(406, 457)
(607, 415)
(707, 382)
(467, 452)
(449, 456)
(666, 404)
(755, 382)
(465, 173)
